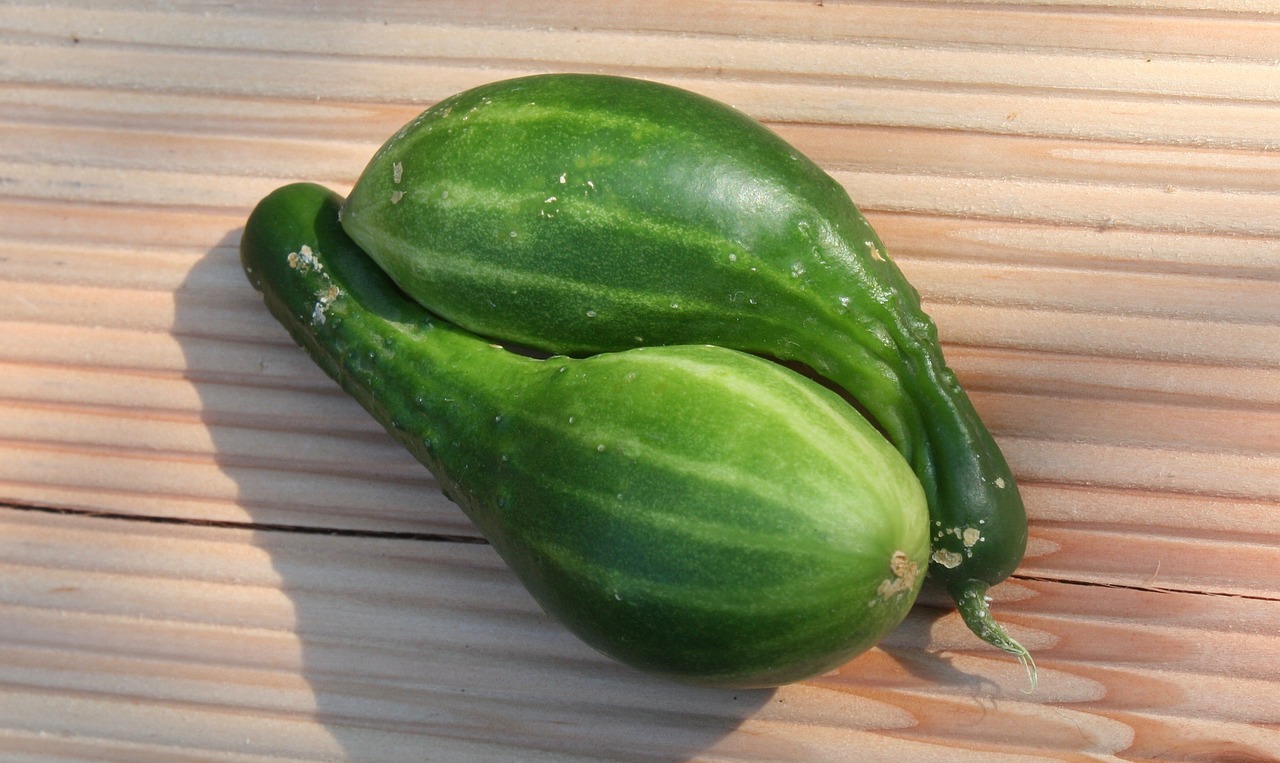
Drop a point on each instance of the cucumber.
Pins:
(693, 511)
(580, 214)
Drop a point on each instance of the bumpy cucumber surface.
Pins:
(580, 214)
(693, 511)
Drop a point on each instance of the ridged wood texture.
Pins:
(208, 553)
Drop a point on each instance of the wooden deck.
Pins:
(208, 553)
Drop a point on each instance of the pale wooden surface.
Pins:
(208, 553)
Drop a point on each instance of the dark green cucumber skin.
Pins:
(580, 213)
(693, 511)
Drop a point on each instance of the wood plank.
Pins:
(204, 163)
(992, 66)
(1108, 378)
(885, 102)
(1224, 27)
(326, 134)
(196, 626)
(1120, 251)
(979, 69)
(1131, 336)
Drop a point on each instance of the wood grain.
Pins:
(207, 552)
(323, 646)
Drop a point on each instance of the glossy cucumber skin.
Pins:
(693, 511)
(581, 213)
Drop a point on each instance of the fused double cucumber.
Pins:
(694, 511)
(581, 214)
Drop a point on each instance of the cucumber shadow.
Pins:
(912, 646)
(413, 638)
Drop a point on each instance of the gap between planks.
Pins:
(1140, 588)
(480, 540)
(156, 519)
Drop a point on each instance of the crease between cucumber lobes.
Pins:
(695, 511)
(581, 214)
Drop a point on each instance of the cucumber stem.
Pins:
(971, 600)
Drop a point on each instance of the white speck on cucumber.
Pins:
(946, 558)
(304, 260)
(323, 300)
(904, 576)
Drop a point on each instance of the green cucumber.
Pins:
(693, 511)
(580, 214)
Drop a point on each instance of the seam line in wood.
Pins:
(1136, 587)
(255, 526)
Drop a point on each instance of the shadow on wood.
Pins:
(414, 637)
